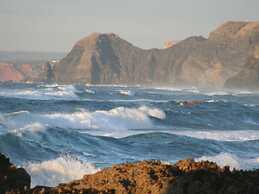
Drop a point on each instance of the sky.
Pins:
(55, 25)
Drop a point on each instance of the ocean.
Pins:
(58, 133)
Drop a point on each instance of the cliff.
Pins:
(248, 77)
(27, 66)
(195, 61)
(24, 72)
(9, 73)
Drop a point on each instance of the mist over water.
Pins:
(51, 128)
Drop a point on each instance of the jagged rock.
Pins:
(146, 177)
(12, 179)
(154, 177)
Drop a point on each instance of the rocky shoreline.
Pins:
(145, 177)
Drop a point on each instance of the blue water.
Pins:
(61, 132)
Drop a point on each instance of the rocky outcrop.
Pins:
(146, 177)
(12, 179)
(154, 177)
(169, 44)
(235, 31)
(196, 61)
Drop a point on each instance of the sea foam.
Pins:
(220, 135)
(110, 122)
(48, 92)
(59, 170)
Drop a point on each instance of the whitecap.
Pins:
(126, 93)
(115, 122)
(88, 91)
(60, 92)
(59, 170)
(220, 135)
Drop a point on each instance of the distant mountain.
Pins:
(195, 61)
(227, 58)
(27, 66)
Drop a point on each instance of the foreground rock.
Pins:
(154, 177)
(12, 179)
(146, 177)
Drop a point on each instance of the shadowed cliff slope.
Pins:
(196, 61)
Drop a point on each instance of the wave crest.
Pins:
(59, 170)
(117, 119)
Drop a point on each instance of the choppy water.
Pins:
(61, 132)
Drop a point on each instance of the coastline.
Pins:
(154, 177)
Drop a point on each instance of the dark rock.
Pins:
(12, 179)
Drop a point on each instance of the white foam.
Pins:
(240, 135)
(217, 93)
(89, 91)
(231, 160)
(228, 92)
(59, 170)
(126, 92)
(175, 89)
(48, 92)
(114, 122)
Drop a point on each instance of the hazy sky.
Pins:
(55, 25)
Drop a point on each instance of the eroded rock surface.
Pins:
(154, 177)
(146, 177)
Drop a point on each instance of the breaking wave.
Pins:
(120, 118)
(48, 92)
(59, 170)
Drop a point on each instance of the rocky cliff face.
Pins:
(248, 77)
(24, 72)
(196, 61)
